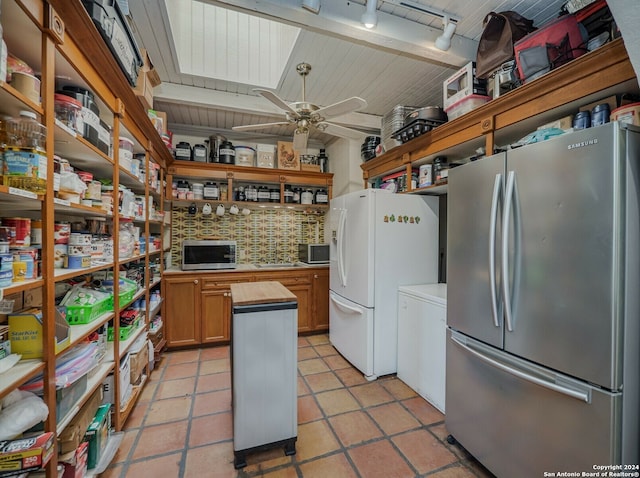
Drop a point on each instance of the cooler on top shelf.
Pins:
(549, 47)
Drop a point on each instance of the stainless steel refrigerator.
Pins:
(543, 362)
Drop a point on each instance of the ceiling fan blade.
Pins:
(341, 131)
(300, 140)
(341, 107)
(276, 100)
(251, 127)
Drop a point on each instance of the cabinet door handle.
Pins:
(195, 281)
(315, 276)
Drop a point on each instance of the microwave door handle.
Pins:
(497, 189)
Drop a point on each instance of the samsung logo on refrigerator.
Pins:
(582, 144)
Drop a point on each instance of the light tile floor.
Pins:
(347, 427)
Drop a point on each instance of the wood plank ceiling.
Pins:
(394, 64)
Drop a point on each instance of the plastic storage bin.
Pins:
(465, 105)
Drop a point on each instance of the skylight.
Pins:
(223, 44)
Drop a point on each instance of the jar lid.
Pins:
(62, 98)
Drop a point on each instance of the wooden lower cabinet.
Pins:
(197, 307)
(181, 310)
(215, 307)
(320, 300)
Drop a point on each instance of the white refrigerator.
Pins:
(378, 241)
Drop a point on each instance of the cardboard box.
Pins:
(614, 101)
(18, 304)
(97, 434)
(461, 84)
(287, 157)
(72, 435)
(125, 384)
(139, 361)
(25, 333)
(32, 298)
(76, 467)
(266, 156)
(26, 454)
(148, 79)
(159, 121)
(564, 123)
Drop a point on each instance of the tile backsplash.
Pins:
(269, 235)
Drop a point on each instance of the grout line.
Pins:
(462, 459)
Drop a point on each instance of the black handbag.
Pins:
(501, 31)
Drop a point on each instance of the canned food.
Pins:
(22, 227)
(61, 232)
(78, 262)
(79, 239)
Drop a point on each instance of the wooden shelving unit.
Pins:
(590, 77)
(59, 40)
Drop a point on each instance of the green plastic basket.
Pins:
(125, 332)
(83, 314)
(128, 289)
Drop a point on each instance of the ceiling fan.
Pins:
(304, 115)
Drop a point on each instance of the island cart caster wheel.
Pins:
(239, 461)
(290, 447)
(451, 440)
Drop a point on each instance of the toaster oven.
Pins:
(313, 253)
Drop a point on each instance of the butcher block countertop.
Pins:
(266, 292)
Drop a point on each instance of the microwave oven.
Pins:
(208, 254)
(313, 253)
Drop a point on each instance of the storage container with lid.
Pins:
(306, 197)
(211, 190)
(90, 112)
(199, 153)
(465, 105)
(321, 196)
(226, 153)
(245, 156)
(183, 151)
(68, 111)
(600, 114)
(629, 114)
(125, 150)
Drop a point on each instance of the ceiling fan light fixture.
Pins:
(370, 17)
(443, 42)
(312, 5)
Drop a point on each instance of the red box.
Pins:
(77, 466)
(552, 45)
(25, 454)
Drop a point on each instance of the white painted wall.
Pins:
(627, 16)
(344, 163)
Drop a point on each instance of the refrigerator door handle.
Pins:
(497, 189)
(582, 396)
(506, 220)
(341, 231)
(345, 307)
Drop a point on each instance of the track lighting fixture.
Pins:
(312, 5)
(443, 42)
(370, 17)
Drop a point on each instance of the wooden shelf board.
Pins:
(19, 374)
